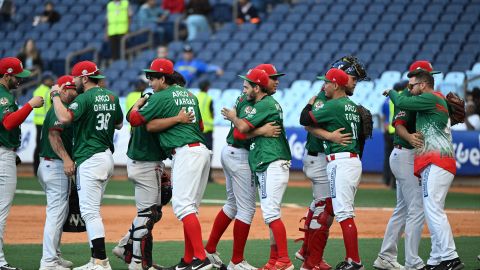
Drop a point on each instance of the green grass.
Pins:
(168, 253)
(297, 195)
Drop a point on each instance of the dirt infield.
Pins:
(25, 224)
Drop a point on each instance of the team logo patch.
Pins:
(112, 97)
(253, 111)
(248, 109)
(318, 105)
(9, 70)
(73, 106)
(3, 101)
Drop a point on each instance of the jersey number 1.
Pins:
(102, 121)
(354, 130)
(192, 110)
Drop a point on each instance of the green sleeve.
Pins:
(259, 114)
(324, 114)
(118, 112)
(151, 109)
(423, 102)
(78, 107)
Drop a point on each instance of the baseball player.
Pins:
(145, 168)
(269, 159)
(95, 115)
(319, 216)
(434, 162)
(191, 159)
(55, 169)
(241, 197)
(344, 167)
(408, 214)
(11, 74)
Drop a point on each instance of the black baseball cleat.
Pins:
(182, 265)
(9, 267)
(198, 264)
(454, 264)
(349, 265)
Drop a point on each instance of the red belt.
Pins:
(189, 145)
(333, 157)
(48, 158)
(398, 146)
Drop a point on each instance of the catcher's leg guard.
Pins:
(142, 237)
(318, 234)
(302, 253)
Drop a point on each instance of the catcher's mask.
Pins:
(352, 66)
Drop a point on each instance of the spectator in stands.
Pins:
(49, 15)
(197, 18)
(43, 90)
(162, 51)
(191, 68)
(149, 14)
(7, 10)
(30, 57)
(132, 97)
(119, 14)
(205, 103)
(388, 132)
(247, 13)
(174, 6)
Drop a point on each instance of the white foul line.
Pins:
(212, 201)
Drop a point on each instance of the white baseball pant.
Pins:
(272, 185)
(344, 175)
(239, 184)
(435, 184)
(8, 184)
(315, 168)
(56, 185)
(190, 168)
(92, 178)
(408, 214)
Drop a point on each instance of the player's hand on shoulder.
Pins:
(185, 117)
(69, 167)
(36, 102)
(229, 114)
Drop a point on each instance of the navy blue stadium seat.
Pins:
(436, 37)
(364, 27)
(224, 56)
(471, 48)
(271, 46)
(376, 8)
(214, 46)
(260, 36)
(397, 36)
(300, 9)
(451, 47)
(283, 56)
(244, 54)
(457, 37)
(279, 37)
(462, 27)
(371, 18)
(318, 36)
(318, 10)
(232, 46)
(287, 27)
(276, 18)
(310, 47)
(303, 57)
(423, 28)
(298, 36)
(311, 76)
(247, 27)
(395, 8)
(383, 27)
(222, 13)
(241, 36)
(370, 47)
(251, 46)
(291, 46)
(433, 8)
(426, 55)
(329, 47)
(267, 27)
(306, 27)
(356, 8)
(281, 9)
(263, 56)
(450, 18)
(222, 36)
(416, 37)
(337, 37)
(383, 56)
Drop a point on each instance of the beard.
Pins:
(80, 88)
(13, 84)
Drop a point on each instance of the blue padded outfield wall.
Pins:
(466, 145)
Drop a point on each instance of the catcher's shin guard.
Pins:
(318, 233)
(141, 235)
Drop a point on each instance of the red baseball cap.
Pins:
(68, 81)
(423, 64)
(87, 68)
(13, 66)
(160, 65)
(256, 76)
(270, 70)
(335, 75)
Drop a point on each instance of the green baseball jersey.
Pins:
(264, 150)
(144, 145)
(168, 103)
(335, 114)
(9, 139)
(405, 118)
(95, 114)
(314, 144)
(66, 134)
(433, 122)
(243, 107)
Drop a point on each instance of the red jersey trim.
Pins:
(312, 117)
(421, 162)
(136, 119)
(248, 123)
(71, 114)
(201, 126)
(56, 128)
(399, 122)
(237, 135)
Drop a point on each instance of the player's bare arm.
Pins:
(240, 124)
(60, 111)
(161, 124)
(59, 149)
(336, 136)
(270, 129)
(415, 139)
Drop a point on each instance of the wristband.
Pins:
(55, 94)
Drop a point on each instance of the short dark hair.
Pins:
(204, 85)
(423, 76)
(94, 80)
(170, 79)
(178, 78)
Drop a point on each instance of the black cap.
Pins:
(187, 48)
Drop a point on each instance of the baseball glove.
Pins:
(457, 108)
(166, 188)
(366, 129)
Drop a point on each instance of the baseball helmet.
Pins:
(352, 66)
